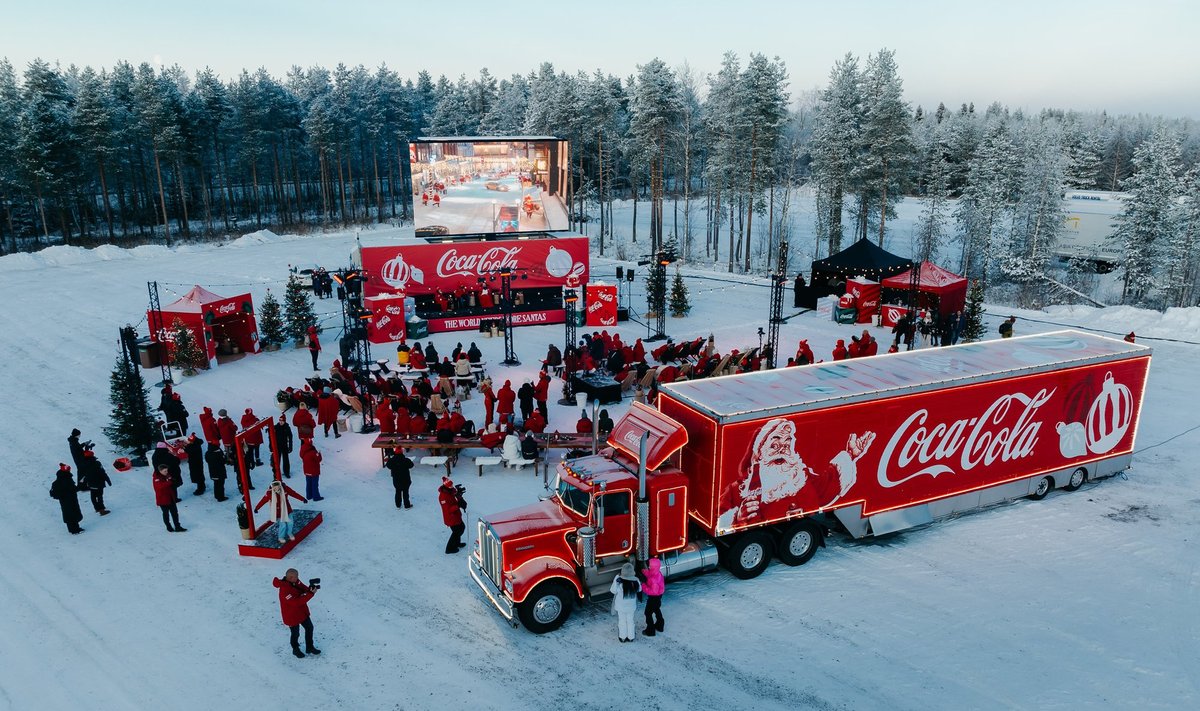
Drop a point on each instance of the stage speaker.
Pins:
(622, 313)
(629, 275)
(620, 273)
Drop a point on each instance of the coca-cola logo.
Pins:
(964, 443)
(870, 305)
(452, 263)
(394, 310)
(227, 309)
(383, 321)
(594, 307)
(605, 295)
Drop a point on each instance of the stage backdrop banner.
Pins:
(424, 268)
(601, 305)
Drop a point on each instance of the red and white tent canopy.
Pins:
(948, 287)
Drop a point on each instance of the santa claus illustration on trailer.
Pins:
(778, 482)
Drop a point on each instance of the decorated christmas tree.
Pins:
(656, 289)
(297, 309)
(270, 322)
(187, 353)
(680, 306)
(973, 328)
(131, 426)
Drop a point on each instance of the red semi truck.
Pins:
(738, 469)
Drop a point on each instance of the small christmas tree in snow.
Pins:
(186, 354)
(656, 289)
(130, 423)
(973, 328)
(270, 321)
(297, 309)
(680, 306)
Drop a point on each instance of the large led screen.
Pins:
(479, 186)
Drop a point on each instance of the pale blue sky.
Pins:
(1126, 57)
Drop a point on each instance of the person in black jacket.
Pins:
(529, 447)
(216, 469)
(94, 478)
(400, 466)
(525, 398)
(195, 460)
(283, 440)
(163, 457)
(64, 490)
(76, 449)
(606, 424)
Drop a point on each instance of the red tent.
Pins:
(221, 324)
(938, 287)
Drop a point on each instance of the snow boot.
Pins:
(179, 529)
(170, 528)
(296, 651)
(649, 632)
(104, 512)
(312, 650)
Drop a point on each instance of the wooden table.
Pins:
(548, 440)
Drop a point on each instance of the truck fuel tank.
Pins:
(694, 558)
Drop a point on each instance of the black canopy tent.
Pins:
(863, 258)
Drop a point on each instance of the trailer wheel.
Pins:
(798, 543)
(1078, 479)
(546, 608)
(749, 555)
(1044, 486)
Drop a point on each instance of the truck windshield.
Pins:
(574, 499)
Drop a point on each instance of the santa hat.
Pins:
(63, 467)
(88, 454)
(447, 481)
(249, 411)
(123, 464)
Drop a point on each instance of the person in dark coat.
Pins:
(293, 606)
(473, 354)
(164, 497)
(529, 446)
(76, 449)
(314, 346)
(195, 460)
(163, 457)
(216, 469)
(283, 440)
(798, 287)
(401, 467)
(606, 424)
(431, 355)
(178, 413)
(453, 505)
(95, 479)
(525, 397)
(64, 490)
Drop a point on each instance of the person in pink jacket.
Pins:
(654, 587)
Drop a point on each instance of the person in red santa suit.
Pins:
(778, 484)
(385, 416)
(505, 399)
(208, 424)
(855, 349)
(804, 354)
(304, 422)
(453, 504)
(253, 439)
(281, 508)
(535, 423)
(327, 412)
(639, 351)
(417, 424)
(839, 350)
(541, 394)
(871, 346)
(489, 400)
(584, 425)
(293, 606)
(416, 359)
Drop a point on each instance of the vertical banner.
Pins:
(601, 305)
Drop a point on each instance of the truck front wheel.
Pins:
(546, 608)
(798, 543)
(748, 556)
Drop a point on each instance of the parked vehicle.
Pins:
(739, 469)
(495, 185)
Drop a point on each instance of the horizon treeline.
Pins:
(134, 154)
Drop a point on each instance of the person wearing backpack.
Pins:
(1006, 328)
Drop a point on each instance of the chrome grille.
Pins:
(490, 558)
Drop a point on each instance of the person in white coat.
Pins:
(512, 449)
(625, 589)
(281, 509)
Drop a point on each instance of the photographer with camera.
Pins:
(293, 605)
(450, 496)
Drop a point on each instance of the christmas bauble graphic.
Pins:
(1110, 416)
(1072, 441)
(559, 262)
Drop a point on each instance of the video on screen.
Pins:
(489, 186)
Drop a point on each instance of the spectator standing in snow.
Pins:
(195, 460)
(95, 479)
(76, 449)
(283, 442)
(293, 606)
(304, 422)
(253, 439)
(654, 587)
(453, 505)
(401, 467)
(327, 412)
(64, 490)
(228, 432)
(215, 459)
(164, 497)
(311, 460)
(281, 509)
(314, 346)
(163, 457)
(625, 588)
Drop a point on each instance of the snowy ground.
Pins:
(1083, 600)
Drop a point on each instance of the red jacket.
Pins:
(854, 350)
(293, 601)
(451, 506)
(505, 399)
(839, 351)
(872, 348)
(402, 424)
(417, 360)
(311, 458)
(164, 489)
(457, 422)
(314, 343)
(208, 423)
(386, 417)
(445, 423)
(304, 418)
(584, 426)
(327, 409)
(249, 419)
(228, 431)
(541, 391)
(417, 424)
(535, 423)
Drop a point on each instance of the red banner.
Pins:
(866, 297)
(424, 268)
(387, 324)
(471, 323)
(891, 314)
(908, 450)
(601, 305)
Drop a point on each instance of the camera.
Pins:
(88, 445)
(314, 583)
(460, 489)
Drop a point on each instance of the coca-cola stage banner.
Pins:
(424, 268)
(387, 322)
(920, 447)
(601, 305)
(471, 323)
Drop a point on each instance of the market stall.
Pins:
(938, 289)
(221, 325)
(863, 258)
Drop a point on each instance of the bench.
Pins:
(518, 463)
(482, 462)
(437, 462)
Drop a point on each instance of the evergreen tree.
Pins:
(186, 353)
(1038, 214)
(654, 111)
(991, 178)
(1149, 220)
(835, 142)
(881, 174)
(1181, 268)
(931, 226)
(297, 309)
(973, 328)
(656, 288)
(680, 306)
(131, 425)
(270, 321)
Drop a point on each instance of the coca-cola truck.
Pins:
(739, 469)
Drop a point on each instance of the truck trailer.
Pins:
(740, 469)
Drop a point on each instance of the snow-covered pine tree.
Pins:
(764, 83)
(680, 306)
(656, 288)
(270, 321)
(973, 328)
(186, 353)
(986, 200)
(1181, 256)
(1148, 221)
(887, 143)
(835, 141)
(130, 423)
(654, 111)
(931, 227)
(725, 166)
(1038, 214)
(297, 309)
